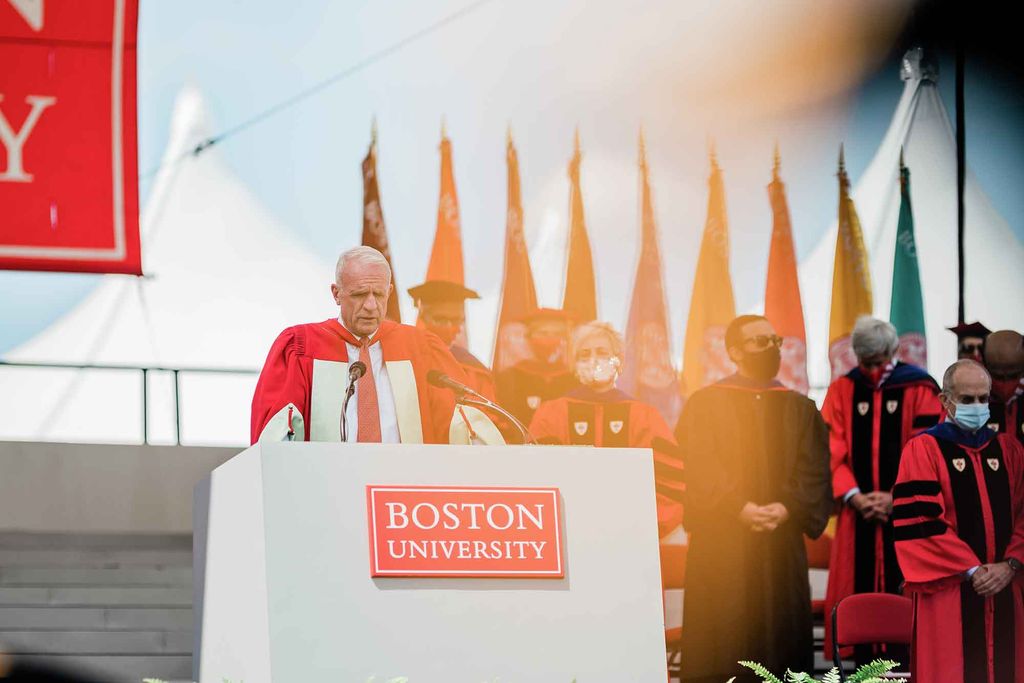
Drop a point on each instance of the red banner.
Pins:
(68, 150)
(464, 532)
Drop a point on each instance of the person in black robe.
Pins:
(757, 474)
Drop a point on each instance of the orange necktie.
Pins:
(369, 411)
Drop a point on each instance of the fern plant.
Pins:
(868, 673)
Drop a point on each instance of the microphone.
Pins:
(439, 379)
(355, 372)
(464, 394)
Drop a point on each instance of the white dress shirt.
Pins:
(385, 397)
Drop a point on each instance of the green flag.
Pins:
(906, 311)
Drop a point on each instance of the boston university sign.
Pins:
(464, 532)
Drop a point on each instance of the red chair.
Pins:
(819, 553)
(870, 618)
(673, 576)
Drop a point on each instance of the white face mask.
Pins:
(597, 370)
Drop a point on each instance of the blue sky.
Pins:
(543, 68)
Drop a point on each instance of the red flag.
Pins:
(782, 305)
(68, 161)
(518, 295)
(647, 372)
(375, 234)
(446, 255)
(705, 359)
(580, 299)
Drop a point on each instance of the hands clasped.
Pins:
(875, 506)
(764, 517)
(990, 579)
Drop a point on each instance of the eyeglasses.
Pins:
(763, 341)
(972, 348)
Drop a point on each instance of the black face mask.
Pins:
(763, 365)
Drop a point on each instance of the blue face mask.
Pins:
(971, 416)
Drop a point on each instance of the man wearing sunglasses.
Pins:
(871, 412)
(757, 477)
(970, 340)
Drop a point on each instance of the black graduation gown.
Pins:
(747, 593)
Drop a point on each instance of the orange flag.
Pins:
(374, 232)
(446, 254)
(518, 294)
(851, 280)
(580, 298)
(712, 308)
(782, 305)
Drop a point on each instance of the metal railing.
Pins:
(175, 372)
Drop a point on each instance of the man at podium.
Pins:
(381, 365)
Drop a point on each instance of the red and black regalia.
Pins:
(869, 424)
(747, 592)
(1008, 416)
(613, 419)
(524, 386)
(959, 503)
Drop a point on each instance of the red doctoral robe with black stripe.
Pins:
(1008, 416)
(303, 383)
(524, 386)
(868, 427)
(613, 419)
(959, 503)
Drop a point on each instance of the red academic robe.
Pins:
(959, 503)
(1007, 417)
(478, 375)
(306, 373)
(868, 427)
(614, 420)
(522, 387)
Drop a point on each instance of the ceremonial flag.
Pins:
(851, 280)
(906, 311)
(712, 308)
(69, 176)
(647, 372)
(518, 295)
(446, 254)
(374, 233)
(580, 298)
(782, 305)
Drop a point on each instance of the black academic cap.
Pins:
(974, 329)
(433, 291)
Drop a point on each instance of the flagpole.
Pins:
(960, 172)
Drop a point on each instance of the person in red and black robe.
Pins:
(959, 529)
(1004, 360)
(757, 481)
(522, 387)
(597, 414)
(871, 412)
(442, 307)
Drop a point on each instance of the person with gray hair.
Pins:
(959, 537)
(358, 376)
(871, 412)
(596, 413)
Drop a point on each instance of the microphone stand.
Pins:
(472, 398)
(344, 409)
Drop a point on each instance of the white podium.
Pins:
(284, 589)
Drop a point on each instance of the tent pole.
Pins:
(960, 172)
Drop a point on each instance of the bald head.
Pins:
(1004, 354)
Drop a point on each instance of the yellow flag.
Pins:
(705, 359)
(851, 280)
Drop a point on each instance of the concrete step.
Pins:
(98, 642)
(100, 596)
(100, 558)
(121, 668)
(92, 576)
(95, 618)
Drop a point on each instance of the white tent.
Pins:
(993, 255)
(222, 279)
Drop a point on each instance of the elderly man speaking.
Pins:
(302, 388)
